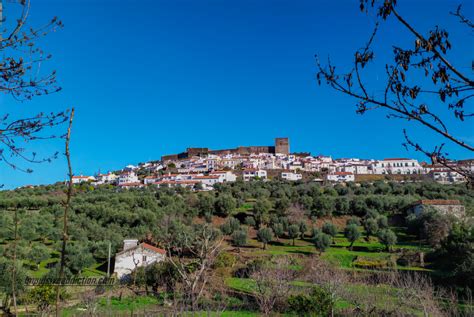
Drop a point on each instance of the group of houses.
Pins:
(202, 168)
(204, 172)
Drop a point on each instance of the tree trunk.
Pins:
(350, 246)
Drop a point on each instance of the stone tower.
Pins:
(282, 146)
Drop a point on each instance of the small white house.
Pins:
(82, 179)
(105, 179)
(224, 176)
(290, 176)
(340, 177)
(250, 173)
(136, 255)
(128, 177)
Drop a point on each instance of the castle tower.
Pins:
(282, 146)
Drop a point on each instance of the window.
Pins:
(144, 258)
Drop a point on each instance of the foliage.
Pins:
(317, 302)
(239, 238)
(388, 238)
(352, 233)
(322, 241)
(265, 235)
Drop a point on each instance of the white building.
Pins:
(105, 179)
(340, 177)
(209, 180)
(290, 176)
(82, 179)
(251, 173)
(396, 166)
(136, 255)
(446, 176)
(128, 177)
(224, 176)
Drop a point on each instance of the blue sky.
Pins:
(154, 77)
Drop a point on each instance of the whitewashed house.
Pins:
(128, 177)
(136, 255)
(82, 179)
(224, 176)
(397, 166)
(446, 176)
(290, 176)
(108, 178)
(251, 173)
(340, 177)
(207, 181)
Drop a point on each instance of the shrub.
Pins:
(265, 235)
(330, 229)
(322, 241)
(388, 238)
(293, 232)
(317, 303)
(230, 226)
(250, 221)
(239, 238)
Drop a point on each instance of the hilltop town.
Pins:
(202, 168)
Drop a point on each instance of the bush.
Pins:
(230, 226)
(265, 235)
(322, 241)
(239, 238)
(250, 221)
(317, 303)
(225, 259)
(330, 229)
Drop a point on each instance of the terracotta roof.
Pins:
(152, 248)
(437, 202)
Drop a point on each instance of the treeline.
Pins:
(107, 214)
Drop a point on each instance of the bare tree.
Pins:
(401, 294)
(415, 75)
(327, 276)
(22, 79)
(272, 282)
(193, 252)
(67, 206)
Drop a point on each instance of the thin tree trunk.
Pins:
(14, 262)
(66, 209)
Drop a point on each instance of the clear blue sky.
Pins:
(153, 77)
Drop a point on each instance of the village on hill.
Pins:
(202, 168)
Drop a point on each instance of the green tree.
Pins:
(382, 222)
(353, 221)
(388, 238)
(318, 302)
(352, 233)
(78, 257)
(371, 227)
(225, 204)
(321, 242)
(329, 229)
(239, 238)
(278, 230)
(250, 221)
(38, 253)
(293, 232)
(265, 235)
(303, 228)
(231, 225)
(261, 211)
